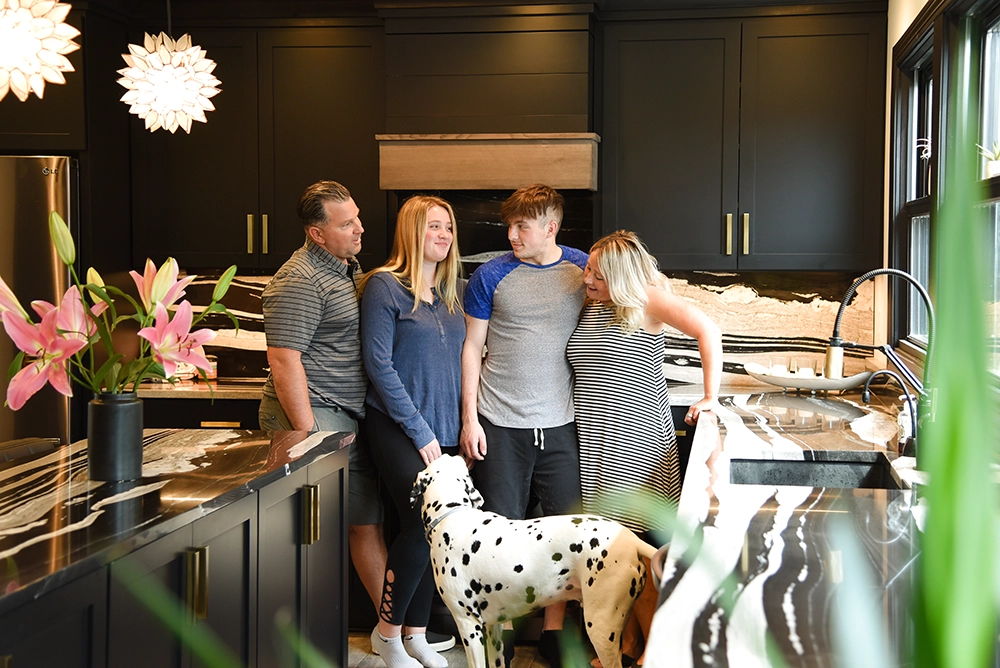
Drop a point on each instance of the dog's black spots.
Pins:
(600, 565)
(590, 564)
(590, 582)
(564, 571)
(577, 520)
(487, 521)
(590, 625)
(468, 593)
(557, 556)
(611, 638)
(633, 591)
(576, 547)
(594, 543)
(518, 568)
(538, 537)
(476, 586)
(465, 559)
(483, 605)
(569, 587)
(498, 661)
(529, 595)
(454, 573)
(604, 553)
(453, 504)
(498, 586)
(499, 540)
(475, 546)
(488, 589)
(446, 538)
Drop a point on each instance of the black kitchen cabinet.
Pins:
(65, 627)
(303, 562)
(201, 413)
(210, 569)
(297, 105)
(749, 144)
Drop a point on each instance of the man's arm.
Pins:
(473, 438)
(291, 386)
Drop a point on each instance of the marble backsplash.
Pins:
(762, 315)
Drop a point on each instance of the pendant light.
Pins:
(34, 42)
(169, 81)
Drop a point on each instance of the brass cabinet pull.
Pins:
(680, 432)
(263, 231)
(746, 233)
(729, 234)
(6, 661)
(196, 586)
(249, 233)
(220, 424)
(310, 514)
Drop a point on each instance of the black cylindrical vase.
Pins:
(114, 437)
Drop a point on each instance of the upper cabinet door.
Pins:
(322, 101)
(193, 192)
(812, 133)
(671, 139)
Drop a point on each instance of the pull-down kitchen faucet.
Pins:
(834, 366)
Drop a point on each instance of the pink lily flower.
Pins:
(8, 302)
(160, 287)
(173, 341)
(72, 320)
(50, 349)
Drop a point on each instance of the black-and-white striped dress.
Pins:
(629, 468)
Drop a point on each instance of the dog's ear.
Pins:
(474, 496)
(417, 493)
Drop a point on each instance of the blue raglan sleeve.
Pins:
(379, 314)
(478, 299)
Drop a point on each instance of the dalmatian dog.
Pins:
(490, 570)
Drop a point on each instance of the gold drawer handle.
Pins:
(729, 234)
(196, 562)
(263, 231)
(220, 424)
(249, 233)
(746, 233)
(310, 514)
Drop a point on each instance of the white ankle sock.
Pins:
(392, 652)
(417, 647)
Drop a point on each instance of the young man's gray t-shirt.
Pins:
(526, 380)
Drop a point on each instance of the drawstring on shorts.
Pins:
(539, 438)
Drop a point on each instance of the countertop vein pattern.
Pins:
(57, 525)
(757, 569)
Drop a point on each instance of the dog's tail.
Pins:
(646, 551)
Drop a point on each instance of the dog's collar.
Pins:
(437, 520)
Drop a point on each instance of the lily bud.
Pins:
(94, 278)
(61, 238)
(222, 285)
(165, 279)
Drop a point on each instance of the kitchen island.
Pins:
(236, 527)
(755, 569)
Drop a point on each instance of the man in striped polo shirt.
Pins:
(317, 381)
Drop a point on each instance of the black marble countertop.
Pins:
(759, 568)
(56, 525)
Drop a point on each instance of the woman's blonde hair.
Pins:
(628, 269)
(406, 262)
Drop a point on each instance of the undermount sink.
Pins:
(865, 470)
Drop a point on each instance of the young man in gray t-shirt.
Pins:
(517, 404)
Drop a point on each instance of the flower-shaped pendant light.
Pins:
(34, 42)
(169, 82)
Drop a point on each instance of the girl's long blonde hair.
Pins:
(406, 262)
(628, 270)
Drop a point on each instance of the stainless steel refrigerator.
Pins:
(30, 188)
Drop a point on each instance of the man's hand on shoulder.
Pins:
(473, 441)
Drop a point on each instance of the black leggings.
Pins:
(407, 599)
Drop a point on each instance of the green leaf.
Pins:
(15, 365)
(222, 285)
(106, 368)
(61, 238)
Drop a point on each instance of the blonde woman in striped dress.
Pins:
(628, 449)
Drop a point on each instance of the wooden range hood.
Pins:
(564, 161)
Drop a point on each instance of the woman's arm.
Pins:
(670, 309)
